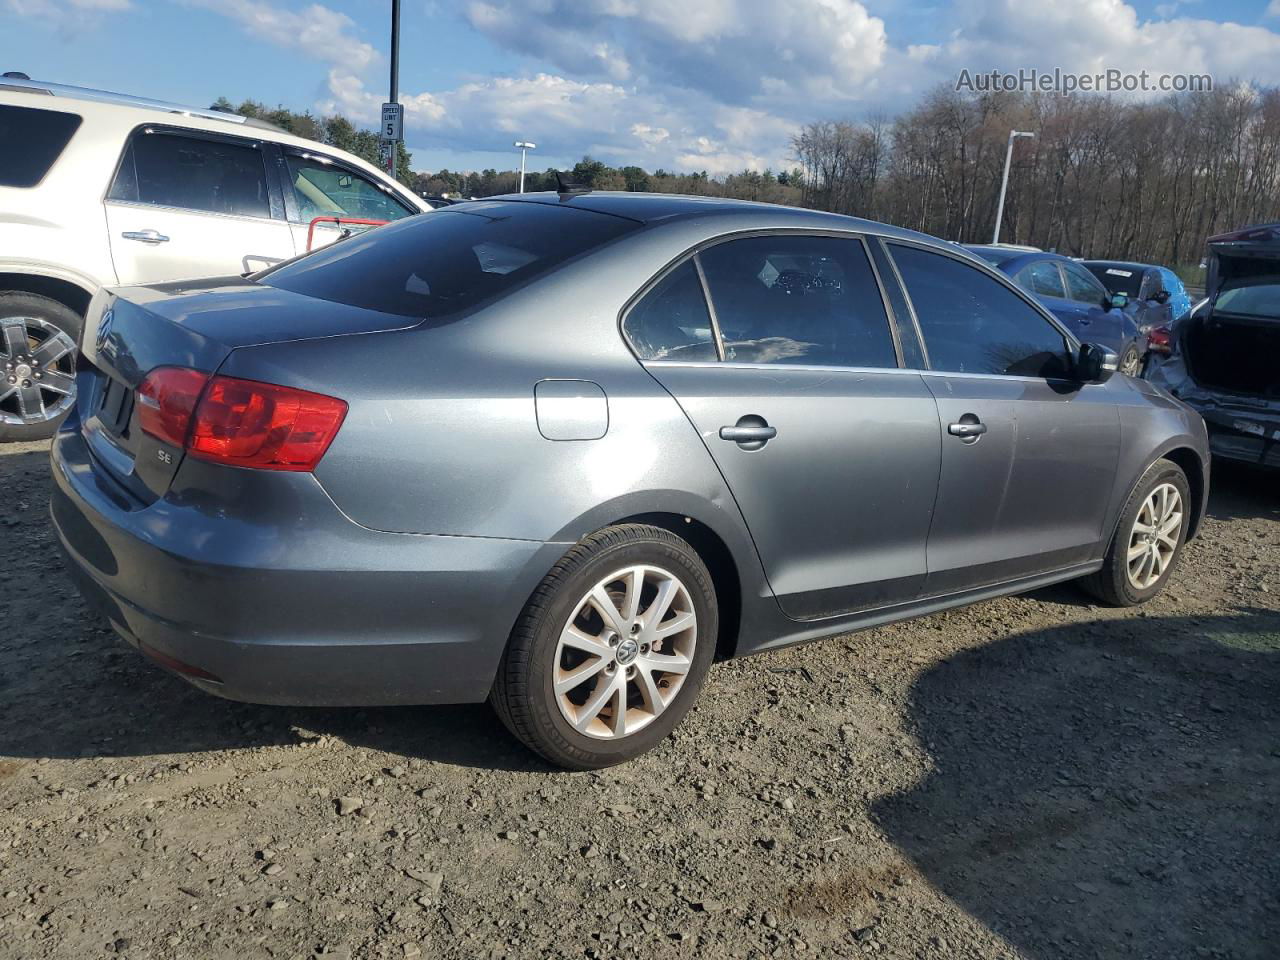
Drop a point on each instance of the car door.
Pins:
(1096, 321)
(317, 185)
(792, 378)
(1028, 455)
(186, 204)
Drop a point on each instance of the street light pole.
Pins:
(1004, 183)
(395, 71)
(523, 145)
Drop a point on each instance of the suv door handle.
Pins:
(967, 429)
(750, 432)
(145, 236)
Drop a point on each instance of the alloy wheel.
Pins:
(1130, 364)
(37, 371)
(625, 652)
(1153, 541)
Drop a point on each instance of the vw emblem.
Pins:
(628, 650)
(104, 329)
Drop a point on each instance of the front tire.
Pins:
(38, 338)
(1148, 540)
(611, 650)
(1131, 362)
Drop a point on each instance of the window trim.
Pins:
(691, 253)
(275, 202)
(286, 182)
(970, 260)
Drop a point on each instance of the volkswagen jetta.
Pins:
(562, 451)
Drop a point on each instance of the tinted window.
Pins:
(671, 322)
(972, 323)
(789, 299)
(1118, 278)
(33, 140)
(1259, 299)
(326, 190)
(208, 175)
(449, 260)
(1043, 279)
(1082, 286)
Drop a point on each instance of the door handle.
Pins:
(145, 236)
(967, 430)
(750, 432)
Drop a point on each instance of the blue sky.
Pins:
(708, 84)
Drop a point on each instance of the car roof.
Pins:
(1011, 259)
(1121, 264)
(652, 208)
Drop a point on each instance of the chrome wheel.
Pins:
(625, 652)
(1130, 363)
(37, 371)
(1154, 538)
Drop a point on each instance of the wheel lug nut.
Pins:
(26, 383)
(644, 648)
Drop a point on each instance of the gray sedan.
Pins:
(563, 451)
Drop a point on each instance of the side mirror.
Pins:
(1116, 301)
(1161, 297)
(1095, 363)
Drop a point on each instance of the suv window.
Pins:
(324, 189)
(796, 299)
(1043, 279)
(450, 261)
(209, 175)
(1083, 286)
(671, 321)
(33, 140)
(972, 323)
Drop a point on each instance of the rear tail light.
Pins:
(242, 423)
(1160, 340)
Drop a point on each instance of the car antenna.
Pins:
(570, 188)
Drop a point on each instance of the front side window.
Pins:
(1042, 279)
(796, 299)
(212, 176)
(33, 140)
(326, 190)
(1082, 286)
(671, 321)
(972, 323)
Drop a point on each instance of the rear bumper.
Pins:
(279, 598)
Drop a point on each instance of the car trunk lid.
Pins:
(195, 324)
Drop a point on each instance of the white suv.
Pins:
(99, 189)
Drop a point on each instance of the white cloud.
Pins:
(317, 31)
(63, 11)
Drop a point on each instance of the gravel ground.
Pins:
(1029, 777)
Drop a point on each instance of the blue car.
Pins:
(1156, 295)
(1075, 297)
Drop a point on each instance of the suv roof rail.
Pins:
(123, 99)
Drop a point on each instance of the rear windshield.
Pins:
(33, 140)
(1118, 278)
(440, 263)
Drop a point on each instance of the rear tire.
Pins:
(1130, 362)
(1148, 540)
(38, 336)
(586, 688)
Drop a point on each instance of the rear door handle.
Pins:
(967, 430)
(145, 236)
(750, 432)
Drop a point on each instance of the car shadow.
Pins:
(1105, 789)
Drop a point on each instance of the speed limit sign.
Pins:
(392, 121)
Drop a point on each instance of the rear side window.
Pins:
(1043, 279)
(671, 321)
(212, 176)
(326, 190)
(33, 140)
(796, 299)
(1083, 286)
(972, 323)
(453, 260)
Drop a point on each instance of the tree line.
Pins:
(1102, 177)
(1105, 178)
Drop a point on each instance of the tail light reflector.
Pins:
(1160, 340)
(243, 423)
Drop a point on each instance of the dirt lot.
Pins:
(1031, 777)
